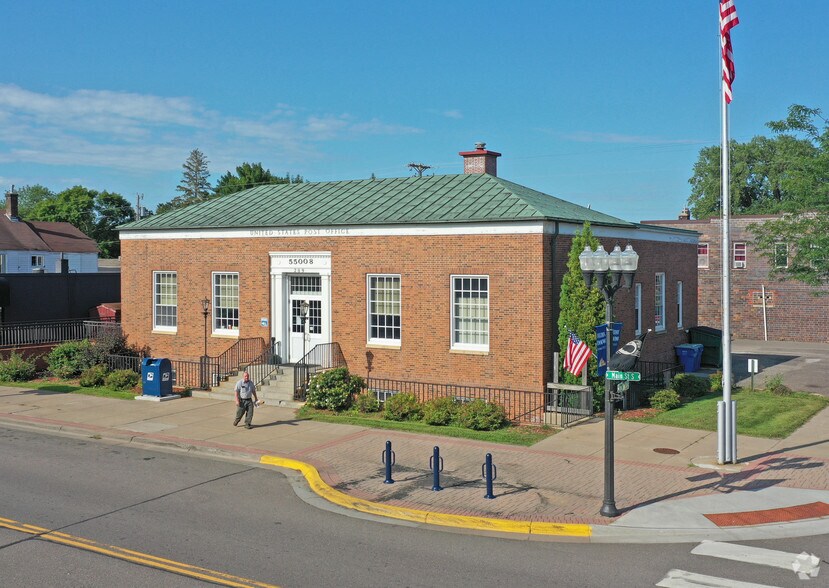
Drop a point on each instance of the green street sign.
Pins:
(629, 376)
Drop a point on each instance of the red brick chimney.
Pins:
(11, 205)
(480, 161)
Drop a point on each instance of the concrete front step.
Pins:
(278, 392)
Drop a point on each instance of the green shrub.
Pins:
(402, 407)
(17, 369)
(122, 380)
(366, 402)
(689, 386)
(716, 382)
(481, 415)
(94, 376)
(665, 399)
(440, 411)
(109, 340)
(775, 385)
(69, 359)
(333, 389)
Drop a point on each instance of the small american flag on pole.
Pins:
(728, 20)
(577, 354)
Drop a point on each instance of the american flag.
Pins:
(577, 354)
(728, 20)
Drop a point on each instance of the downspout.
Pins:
(553, 246)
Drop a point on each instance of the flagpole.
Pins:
(726, 409)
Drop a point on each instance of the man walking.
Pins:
(245, 399)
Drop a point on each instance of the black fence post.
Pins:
(388, 459)
(436, 465)
(489, 472)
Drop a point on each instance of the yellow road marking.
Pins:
(421, 516)
(137, 557)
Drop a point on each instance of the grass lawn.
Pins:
(510, 435)
(72, 386)
(759, 413)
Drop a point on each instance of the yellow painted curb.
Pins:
(421, 516)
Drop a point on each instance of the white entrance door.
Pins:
(304, 335)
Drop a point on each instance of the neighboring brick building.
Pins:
(450, 278)
(792, 311)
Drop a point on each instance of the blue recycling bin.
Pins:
(156, 377)
(690, 356)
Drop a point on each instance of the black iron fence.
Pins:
(565, 404)
(324, 356)
(186, 374)
(522, 407)
(656, 375)
(57, 331)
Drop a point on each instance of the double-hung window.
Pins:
(165, 301)
(781, 255)
(384, 309)
(226, 303)
(470, 313)
(637, 308)
(679, 305)
(659, 302)
(739, 256)
(702, 255)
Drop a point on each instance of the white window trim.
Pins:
(377, 340)
(38, 260)
(661, 326)
(707, 256)
(637, 307)
(478, 347)
(776, 245)
(157, 327)
(739, 264)
(679, 304)
(213, 309)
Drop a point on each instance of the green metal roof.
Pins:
(463, 198)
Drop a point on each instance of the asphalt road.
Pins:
(247, 521)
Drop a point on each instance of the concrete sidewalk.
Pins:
(780, 488)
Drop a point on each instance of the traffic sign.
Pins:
(629, 376)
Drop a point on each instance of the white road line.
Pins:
(744, 553)
(683, 579)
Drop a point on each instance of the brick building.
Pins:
(449, 279)
(762, 307)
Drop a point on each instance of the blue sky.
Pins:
(605, 103)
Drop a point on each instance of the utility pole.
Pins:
(419, 168)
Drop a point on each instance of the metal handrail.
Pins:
(264, 366)
(238, 355)
(324, 356)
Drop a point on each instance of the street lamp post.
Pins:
(610, 272)
(205, 308)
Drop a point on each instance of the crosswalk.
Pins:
(803, 566)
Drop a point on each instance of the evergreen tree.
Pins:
(249, 176)
(194, 186)
(581, 309)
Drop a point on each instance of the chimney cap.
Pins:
(480, 145)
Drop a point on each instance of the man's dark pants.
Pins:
(245, 408)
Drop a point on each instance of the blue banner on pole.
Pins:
(601, 344)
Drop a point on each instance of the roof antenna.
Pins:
(419, 168)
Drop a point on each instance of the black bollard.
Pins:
(489, 472)
(388, 459)
(436, 464)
